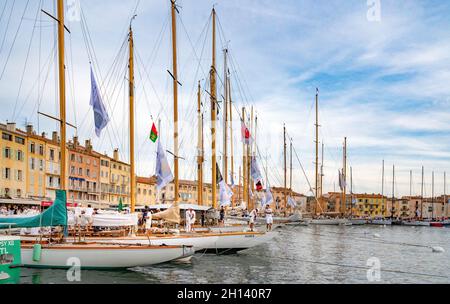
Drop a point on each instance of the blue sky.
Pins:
(384, 85)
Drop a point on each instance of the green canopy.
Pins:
(56, 215)
(120, 207)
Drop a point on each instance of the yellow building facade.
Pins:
(13, 145)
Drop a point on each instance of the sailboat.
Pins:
(44, 254)
(382, 220)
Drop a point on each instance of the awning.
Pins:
(20, 202)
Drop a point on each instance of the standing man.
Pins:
(253, 216)
(222, 216)
(269, 218)
(203, 217)
(190, 220)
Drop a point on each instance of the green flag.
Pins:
(120, 208)
(153, 134)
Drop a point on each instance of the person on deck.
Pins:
(190, 220)
(269, 218)
(203, 218)
(253, 216)
(222, 216)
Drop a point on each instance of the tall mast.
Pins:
(62, 93)
(382, 188)
(199, 149)
(285, 168)
(231, 127)
(213, 112)
(225, 118)
(410, 183)
(321, 174)
(290, 165)
(175, 99)
(393, 191)
(317, 149)
(432, 195)
(421, 195)
(244, 166)
(351, 191)
(344, 177)
(131, 90)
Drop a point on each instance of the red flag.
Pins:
(153, 133)
(246, 137)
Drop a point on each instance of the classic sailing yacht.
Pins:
(44, 254)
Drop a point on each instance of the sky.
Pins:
(382, 69)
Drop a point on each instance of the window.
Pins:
(72, 170)
(6, 173)
(72, 157)
(20, 155)
(88, 161)
(80, 171)
(7, 136)
(19, 176)
(32, 147)
(80, 159)
(139, 190)
(19, 193)
(41, 150)
(120, 167)
(95, 163)
(52, 154)
(88, 172)
(7, 153)
(20, 140)
(41, 165)
(145, 191)
(32, 164)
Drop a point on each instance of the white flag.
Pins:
(342, 183)
(254, 169)
(101, 117)
(291, 202)
(268, 198)
(225, 194)
(163, 172)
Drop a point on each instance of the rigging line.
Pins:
(26, 62)
(153, 54)
(72, 83)
(3, 10)
(7, 26)
(49, 62)
(14, 40)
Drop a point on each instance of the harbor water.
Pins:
(312, 254)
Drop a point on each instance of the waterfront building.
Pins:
(52, 165)
(13, 145)
(370, 205)
(36, 164)
(119, 180)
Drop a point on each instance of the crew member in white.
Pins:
(190, 220)
(269, 218)
(253, 215)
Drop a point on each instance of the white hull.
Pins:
(416, 223)
(329, 222)
(380, 222)
(96, 256)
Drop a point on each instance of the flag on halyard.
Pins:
(268, 198)
(101, 117)
(219, 177)
(163, 173)
(246, 137)
(153, 133)
(225, 194)
(291, 202)
(254, 169)
(259, 185)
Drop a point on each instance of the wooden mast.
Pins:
(317, 151)
(231, 131)
(199, 149)
(351, 191)
(225, 119)
(344, 177)
(321, 174)
(175, 100)
(285, 167)
(213, 112)
(393, 191)
(382, 188)
(244, 165)
(421, 195)
(62, 94)
(131, 93)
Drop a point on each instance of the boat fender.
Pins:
(37, 252)
(376, 235)
(437, 249)
(4, 276)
